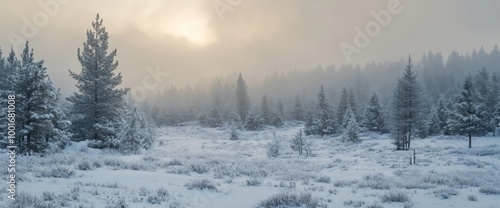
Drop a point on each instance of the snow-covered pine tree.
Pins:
(347, 117)
(486, 99)
(311, 125)
(373, 116)
(36, 101)
(8, 81)
(3, 101)
(98, 104)
(242, 99)
(325, 123)
(352, 103)
(280, 109)
(342, 107)
(136, 133)
(351, 132)
(437, 120)
(266, 114)
(495, 100)
(3, 72)
(465, 118)
(297, 111)
(407, 112)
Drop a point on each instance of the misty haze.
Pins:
(250, 104)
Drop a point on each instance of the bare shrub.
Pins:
(394, 196)
(445, 193)
(489, 191)
(290, 200)
(201, 185)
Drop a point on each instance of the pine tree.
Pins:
(280, 109)
(38, 120)
(352, 103)
(465, 118)
(374, 118)
(242, 99)
(494, 100)
(407, 115)
(99, 103)
(347, 117)
(297, 111)
(266, 113)
(351, 132)
(137, 133)
(326, 124)
(344, 102)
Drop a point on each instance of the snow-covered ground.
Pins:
(238, 174)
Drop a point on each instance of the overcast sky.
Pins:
(192, 40)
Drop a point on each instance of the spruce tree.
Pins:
(351, 132)
(465, 118)
(407, 111)
(280, 109)
(374, 118)
(297, 111)
(242, 99)
(38, 119)
(99, 103)
(325, 123)
(265, 111)
(344, 102)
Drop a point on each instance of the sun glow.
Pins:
(192, 28)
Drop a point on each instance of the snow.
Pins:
(229, 164)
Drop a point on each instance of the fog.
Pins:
(193, 41)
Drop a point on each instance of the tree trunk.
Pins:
(470, 139)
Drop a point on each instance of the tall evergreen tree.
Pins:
(297, 111)
(373, 116)
(407, 115)
(38, 119)
(242, 99)
(343, 104)
(352, 103)
(99, 103)
(265, 111)
(323, 123)
(438, 117)
(280, 109)
(466, 118)
(351, 131)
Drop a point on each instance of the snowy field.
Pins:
(192, 166)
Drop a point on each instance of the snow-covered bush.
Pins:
(56, 172)
(253, 123)
(355, 204)
(489, 191)
(254, 181)
(323, 179)
(136, 134)
(290, 200)
(118, 203)
(24, 200)
(202, 185)
(160, 196)
(298, 142)
(199, 168)
(376, 181)
(445, 193)
(395, 196)
(234, 134)
(472, 197)
(84, 165)
(274, 147)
